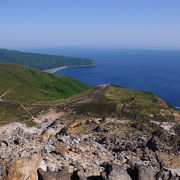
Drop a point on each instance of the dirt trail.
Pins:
(32, 116)
(4, 95)
(51, 115)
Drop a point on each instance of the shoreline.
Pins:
(53, 70)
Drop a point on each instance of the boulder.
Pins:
(24, 168)
(146, 173)
(115, 172)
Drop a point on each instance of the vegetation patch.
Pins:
(13, 112)
(143, 104)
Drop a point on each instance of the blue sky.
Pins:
(90, 23)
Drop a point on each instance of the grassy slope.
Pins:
(29, 86)
(40, 61)
(117, 101)
(134, 102)
(13, 112)
(39, 90)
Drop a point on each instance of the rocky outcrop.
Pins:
(103, 148)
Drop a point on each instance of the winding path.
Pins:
(4, 95)
(18, 103)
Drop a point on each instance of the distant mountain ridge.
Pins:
(42, 61)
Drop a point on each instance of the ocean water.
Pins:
(157, 71)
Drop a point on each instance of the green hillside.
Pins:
(27, 91)
(111, 100)
(21, 86)
(27, 85)
(40, 61)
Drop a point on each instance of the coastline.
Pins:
(53, 70)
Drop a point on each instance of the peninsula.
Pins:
(42, 61)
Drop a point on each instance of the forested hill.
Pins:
(41, 61)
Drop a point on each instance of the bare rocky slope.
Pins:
(97, 135)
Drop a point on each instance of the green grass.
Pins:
(41, 61)
(13, 112)
(118, 101)
(134, 102)
(30, 85)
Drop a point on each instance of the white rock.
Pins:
(43, 166)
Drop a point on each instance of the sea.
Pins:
(157, 71)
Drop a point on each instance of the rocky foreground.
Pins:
(63, 147)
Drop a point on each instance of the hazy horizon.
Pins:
(96, 24)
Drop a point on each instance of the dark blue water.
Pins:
(157, 71)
